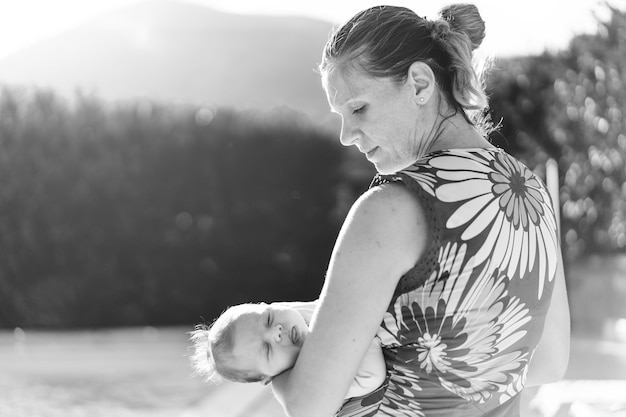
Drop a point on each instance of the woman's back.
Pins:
(462, 327)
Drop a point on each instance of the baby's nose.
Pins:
(280, 332)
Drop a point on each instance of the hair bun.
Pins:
(465, 18)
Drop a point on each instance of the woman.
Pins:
(451, 258)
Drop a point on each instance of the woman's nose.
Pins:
(348, 134)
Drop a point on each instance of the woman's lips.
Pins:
(371, 152)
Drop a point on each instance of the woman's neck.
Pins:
(455, 132)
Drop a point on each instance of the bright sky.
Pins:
(513, 26)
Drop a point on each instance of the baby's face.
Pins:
(267, 338)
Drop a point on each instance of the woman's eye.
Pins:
(358, 110)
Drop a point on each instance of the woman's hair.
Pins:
(385, 40)
(212, 347)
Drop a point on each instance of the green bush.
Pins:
(570, 106)
(151, 214)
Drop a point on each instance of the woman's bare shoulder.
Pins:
(390, 203)
(392, 216)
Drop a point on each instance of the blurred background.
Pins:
(162, 160)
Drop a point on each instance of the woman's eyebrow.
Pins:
(349, 102)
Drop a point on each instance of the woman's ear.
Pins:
(421, 79)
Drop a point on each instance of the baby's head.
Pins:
(249, 343)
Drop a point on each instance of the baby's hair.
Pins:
(201, 359)
(212, 346)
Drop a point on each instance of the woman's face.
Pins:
(381, 118)
(267, 338)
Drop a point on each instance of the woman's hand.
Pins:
(383, 237)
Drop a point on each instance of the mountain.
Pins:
(173, 51)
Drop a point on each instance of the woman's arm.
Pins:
(551, 357)
(382, 238)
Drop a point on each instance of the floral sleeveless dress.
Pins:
(464, 322)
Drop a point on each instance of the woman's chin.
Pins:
(385, 170)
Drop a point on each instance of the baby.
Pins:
(256, 342)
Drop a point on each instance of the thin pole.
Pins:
(552, 182)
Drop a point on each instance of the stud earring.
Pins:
(421, 99)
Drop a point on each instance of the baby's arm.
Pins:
(371, 373)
